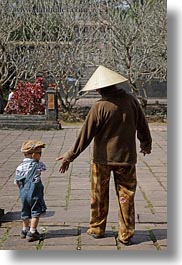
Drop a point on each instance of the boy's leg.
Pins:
(36, 209)
(99, 199)
(34, 224)
(44, 207)
(33, 234)
(26, 224)
(25, 214)
(25, 229)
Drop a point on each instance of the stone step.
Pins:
(31, 122)
(30, 126)
(19, 117)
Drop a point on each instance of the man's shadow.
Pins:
(152, 235)
(139, 237)
(66, 232)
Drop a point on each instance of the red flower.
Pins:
(27, 98)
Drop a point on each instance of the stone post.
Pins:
(51, 104)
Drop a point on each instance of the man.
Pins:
(113, 122)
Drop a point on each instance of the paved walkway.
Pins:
(68, 196)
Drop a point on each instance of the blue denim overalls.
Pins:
(31, 194)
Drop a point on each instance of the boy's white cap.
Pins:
(103, 77)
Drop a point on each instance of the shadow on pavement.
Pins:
(142, 236)
(15, 216)
(139, 237)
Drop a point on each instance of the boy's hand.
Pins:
(65, 164)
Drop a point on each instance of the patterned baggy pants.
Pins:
(125, 185)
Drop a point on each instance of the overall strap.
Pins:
(31, 173)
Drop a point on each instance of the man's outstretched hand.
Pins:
(64, 164)
(145, 151)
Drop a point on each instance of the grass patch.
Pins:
(5, 237)
(115, 232)
(149, 204)
(154, 239)
(79, 239)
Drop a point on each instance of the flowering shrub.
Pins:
(28, 99)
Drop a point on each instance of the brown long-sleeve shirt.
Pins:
(113, 122)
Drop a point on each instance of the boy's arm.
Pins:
(16, 181)
(41, 166)
(19, 176)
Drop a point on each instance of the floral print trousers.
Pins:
(125, 186)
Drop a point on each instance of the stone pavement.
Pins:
(68, 196)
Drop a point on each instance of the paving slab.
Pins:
(67, 196)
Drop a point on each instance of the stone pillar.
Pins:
(51, 104)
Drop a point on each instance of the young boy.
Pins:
(28, 179)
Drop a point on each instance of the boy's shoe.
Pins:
(23, 234)
(34, 236)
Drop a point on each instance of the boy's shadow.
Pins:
(16, 216)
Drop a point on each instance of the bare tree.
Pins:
(65, 37)
(136, 39)
(49, 37)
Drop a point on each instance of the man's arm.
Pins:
(87, 133)
(143, 132)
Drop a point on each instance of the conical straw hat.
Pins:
(103, 77)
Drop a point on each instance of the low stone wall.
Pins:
(156, 110)
(27, 122)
